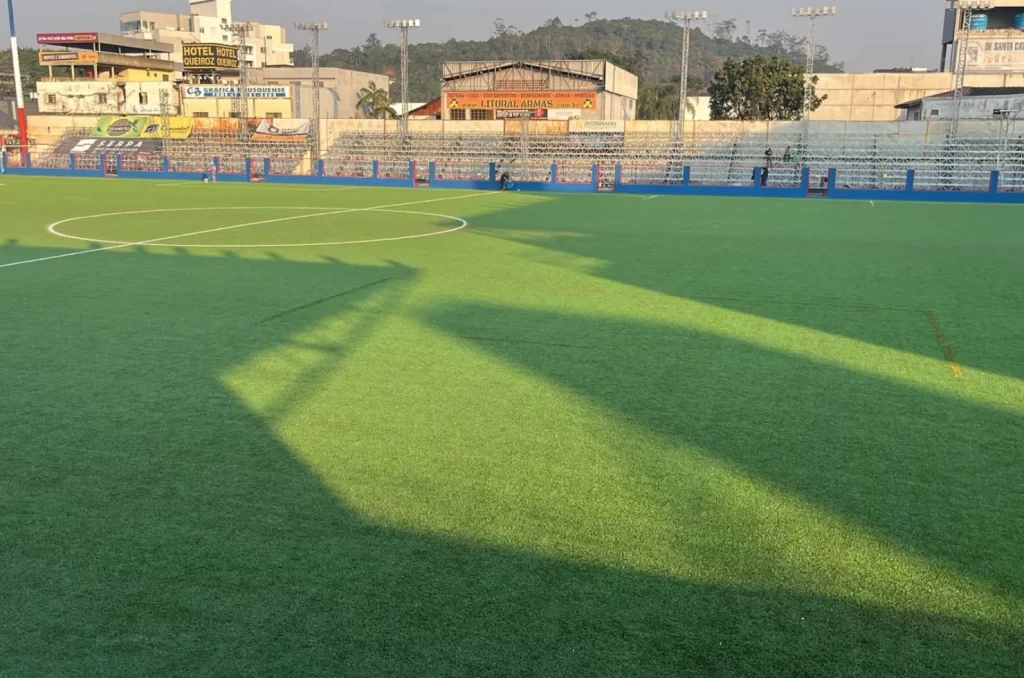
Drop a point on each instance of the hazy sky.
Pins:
(866, 34)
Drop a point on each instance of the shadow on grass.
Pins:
(841, 267)
(935, 475)
(152, 525)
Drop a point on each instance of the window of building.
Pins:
(167, 78)
(200, 114)
(143, 98)
(51, 99)
(934, 113)
(917, 115)
(235, 114)
(458, 114)
(479, 114)
(224, 38)
(274, 115)
(101, 98)
(263, 50)
(202, 30)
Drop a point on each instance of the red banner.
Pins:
(65, 38)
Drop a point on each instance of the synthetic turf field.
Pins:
(583, 436)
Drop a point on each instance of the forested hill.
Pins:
(649, 48)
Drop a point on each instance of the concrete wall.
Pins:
(82, 97)
(47, 129)
(344, 86)
(869, 97)
(223, 108)
(612, 107)
(620, 81)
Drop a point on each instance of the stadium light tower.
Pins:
(314, 27)
(963, 41)
(811, 14)
(686, 19)
(404, 25)
(19, 93)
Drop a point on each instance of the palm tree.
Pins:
(375, 102)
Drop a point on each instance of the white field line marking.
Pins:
(51, 227)
(272, 186)
(462, 224)
(872, 202)
(650, 197)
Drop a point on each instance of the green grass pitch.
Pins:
(579, 436)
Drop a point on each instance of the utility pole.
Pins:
(963, 41)
(404, 25)
(811, 14)
(19, 93)
(314, 27)
(685, 18)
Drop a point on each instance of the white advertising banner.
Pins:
(995, 54)
(598, 126)
(565, 113)
(235, 92)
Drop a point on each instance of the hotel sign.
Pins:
(204, 57)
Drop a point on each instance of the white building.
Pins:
(980, 103)
(210, 21)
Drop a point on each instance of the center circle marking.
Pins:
(52, 228)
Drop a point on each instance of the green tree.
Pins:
(660, 42)
(375, 102)
(760, 88)
(31, 71)
(725, 30)
(660, 100)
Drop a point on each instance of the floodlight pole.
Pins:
(314, 27)
(240, 104)
(966, 8)
(19, 93)
(404, 25)
(686, 19)
(811, 14)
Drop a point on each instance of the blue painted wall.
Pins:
(685, 187)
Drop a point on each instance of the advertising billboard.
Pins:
(528, 100)
(141, 127)
(235, 92)
(122, 146)
(65, 38)
(209, 57)
(67, 58)
(995, 54)
(521, 114)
